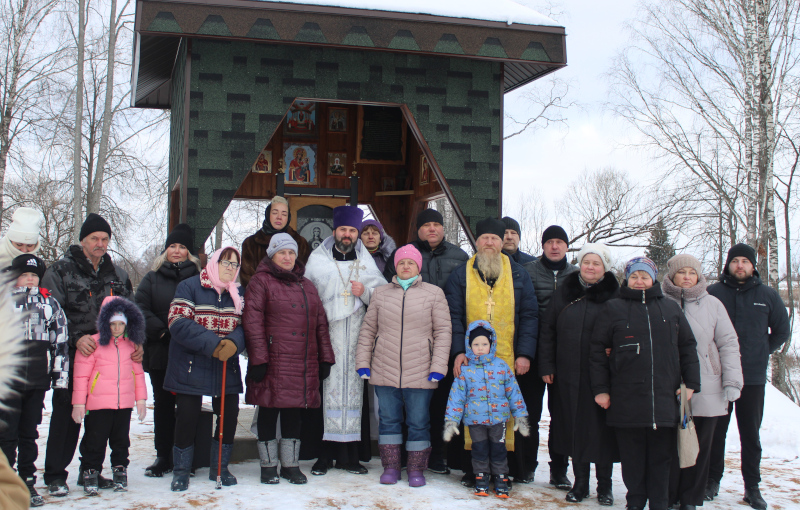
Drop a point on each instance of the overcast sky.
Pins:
(550, 159)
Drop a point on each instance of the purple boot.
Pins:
(390, 458)
(417, 463)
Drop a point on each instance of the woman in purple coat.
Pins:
(289, 352)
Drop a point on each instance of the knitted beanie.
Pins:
(429, 216)
(480, 331)
(25, 225)
(741, 250)
(373, 223)
(94, 223)
(512, 224)
(408, 252)
(280, 242)
(181, 234)
(599, 249)
(641, 264)
(680, 261)
(554, 232)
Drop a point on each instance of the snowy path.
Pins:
(340, 490)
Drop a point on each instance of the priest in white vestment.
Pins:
(344, 274)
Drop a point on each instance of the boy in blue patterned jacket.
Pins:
(485, 396)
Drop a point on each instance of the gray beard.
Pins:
(343, 248)
(490, 265)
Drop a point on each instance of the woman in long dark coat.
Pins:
(154, 295)
(577, 424)
(289, 353)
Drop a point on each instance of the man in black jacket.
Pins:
(439, 258)
(79, 281)
(469, 302)
(759, 316)
(511, 242)
(547, 273)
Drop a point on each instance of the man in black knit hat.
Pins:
(492, 287)
(511, 241)
(547, 273)
(762, 324)
(439, 259)
(79, 281)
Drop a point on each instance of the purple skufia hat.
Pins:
(347, 216)
(374, 223)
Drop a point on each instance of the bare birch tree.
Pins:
(77, 135)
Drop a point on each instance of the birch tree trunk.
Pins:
(96, 193)
(77, 172)
(749, 135)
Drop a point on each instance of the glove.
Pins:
(521, 425)
(324, 370)
(435, 377)
(226, 349)
(450, 430)
(732, 393)
(78, 412)
(257, 372)
(141, 409)
(62, 396)
(365, 373)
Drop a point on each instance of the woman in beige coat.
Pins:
(403, 350)
(720, 369)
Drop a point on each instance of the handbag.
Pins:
(688, 446)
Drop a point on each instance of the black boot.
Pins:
(58, 488)
(712, 490)
(182, 466)
(268, 453)
(289, 453)
(226, 477)
(752, 496)
(90, 482)
(351, 465)
(481, 483)
(501, 486)
(687, 507)
(159, 467)
(468, 480)
(580, 490)
(36, 499)
(102, 482)
(558, 472)
(120, 479)
(603, 472)
(321, 466)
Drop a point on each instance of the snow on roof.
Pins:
(504, 11)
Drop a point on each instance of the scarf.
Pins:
(587, 285)
(406, 283)
(212, 268)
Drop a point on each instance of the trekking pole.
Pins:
(221, 422)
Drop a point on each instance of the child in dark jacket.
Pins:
(485, 396)
(46, 364)
(106, 385)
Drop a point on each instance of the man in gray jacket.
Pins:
(547, 273)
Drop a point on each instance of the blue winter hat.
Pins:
(641, 264)
(347, 216)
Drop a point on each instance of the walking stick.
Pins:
(221, 422)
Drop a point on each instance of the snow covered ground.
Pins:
(780, 471)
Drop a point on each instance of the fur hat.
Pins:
(25, 226)
(115, 305)
(599, 249)
(408, 252)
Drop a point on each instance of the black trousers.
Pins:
(291, 423)
(19, 431)
(437, 409)
(62, 438)
(688, 486)
(526, 449)
(163, 415)
(646, 456)
(489, 453)
(749, 413)
(106, 426)
(188, 408)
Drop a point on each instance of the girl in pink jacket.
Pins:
(106, 384)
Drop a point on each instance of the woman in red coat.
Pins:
(286, 332)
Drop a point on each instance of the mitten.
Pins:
(435, 377)
(141, 409)
(450, 430)
(521, 425)
(324, 370)
(365, 373)
(732, 393)
(225, 350)
(257, 372)
(78, 412)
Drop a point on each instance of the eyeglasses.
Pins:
(229, 264)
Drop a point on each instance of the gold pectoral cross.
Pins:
(345, 294)
(490, 306)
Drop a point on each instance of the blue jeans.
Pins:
(391, 402)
